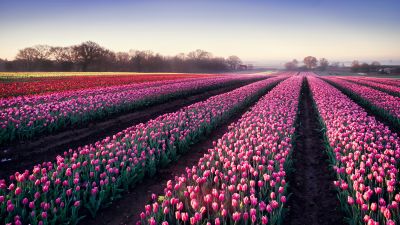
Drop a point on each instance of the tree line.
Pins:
(312, 63)
(356, 66)
(90, 56)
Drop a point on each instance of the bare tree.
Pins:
(2, 64)
(292, 65)
(199, 54)
(91, 56)
(355, 66)
(375, 65)
(63, 54)
(28, 56)
(323, 64)
(233, 62)
(310, 62)
(122, 57)
(87, 52)
(43, 52)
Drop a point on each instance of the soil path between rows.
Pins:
(127, 210)
(313, 200)
(26, 155)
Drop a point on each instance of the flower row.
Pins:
(365, 155)
(36, 118)
(242, 179)
(92, 176)
(391, 89)
(388, 81)
(21, 101)
(376, 98)
(18, 85)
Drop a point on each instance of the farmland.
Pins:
(266, 148)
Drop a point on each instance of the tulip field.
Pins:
(19, 84)
(245, 173)
(29, 116)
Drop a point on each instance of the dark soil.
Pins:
(313, 200)
(27, 154)
(126, 210)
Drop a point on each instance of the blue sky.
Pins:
(257, 31)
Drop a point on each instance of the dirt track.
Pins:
(313, 200)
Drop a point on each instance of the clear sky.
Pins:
(264, 31)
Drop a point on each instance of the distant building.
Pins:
(387, 70)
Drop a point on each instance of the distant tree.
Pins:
(2, 64)
(292, 65)
(122, 60)
(233, 62)
(199, 55)
(91, 56)
(364, 67)
(335, 64)
(64, 56)
(37, 56)
(139, 60)
(375, 65)
(28, 56)
(310, 62)
(323, 64)
(105, 62)
(43, 52)
(355, 66)
(87, 53)
(122, 57)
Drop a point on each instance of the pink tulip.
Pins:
(10, 208)
(18, 191)
(236, 216)
(264, 220)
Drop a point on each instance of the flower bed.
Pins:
(92, 176)
(19, 84)
(382, 104)
(365, 155)
(390, 89)
(25, 118)
(242, 179)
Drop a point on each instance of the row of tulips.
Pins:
(31, 117)
(92, 176)
(27, 84)
(33, 100)
(388, 81)
(381, 103)
(242, 179)
(365, 155)
(391, 89)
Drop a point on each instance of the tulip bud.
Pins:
(18, 191)
(264, 220)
